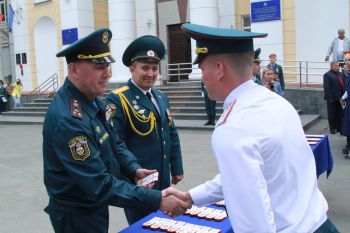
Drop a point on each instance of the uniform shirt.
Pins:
(85, 166)
(267, 170)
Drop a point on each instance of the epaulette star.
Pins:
(75, 109)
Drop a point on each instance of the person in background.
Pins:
(3, 97)
(267, 171)
(345, 131)
(142, 119)
(86, 167)
(277, 69)
(333, 85)
(338, 46)
(210, 106)
(17, 93)
(345, 73)
(271, 84)
(256, 71)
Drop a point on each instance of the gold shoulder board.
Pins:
(120, 90)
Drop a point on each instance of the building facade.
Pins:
(299, 30)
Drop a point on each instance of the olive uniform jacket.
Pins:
(151, 136)
(85, 166)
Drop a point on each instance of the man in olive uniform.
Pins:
(142, 119)
(210, 106)
(256, 68)
(85, 166)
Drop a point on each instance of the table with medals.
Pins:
(322, 153)
(209, 219)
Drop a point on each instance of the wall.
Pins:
(100, 9)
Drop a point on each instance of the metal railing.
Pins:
(48, 87)
(303, 73)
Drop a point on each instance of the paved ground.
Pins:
(23, 196)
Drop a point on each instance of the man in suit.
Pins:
(277, 69)
(142, 118)
(333, 85)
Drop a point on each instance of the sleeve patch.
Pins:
(79, 148)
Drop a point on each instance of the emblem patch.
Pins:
(170, 117)
(110, 111)
(79, 148)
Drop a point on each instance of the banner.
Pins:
(10, 14)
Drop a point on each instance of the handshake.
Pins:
(175, 202)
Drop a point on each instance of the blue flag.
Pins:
(10, 14)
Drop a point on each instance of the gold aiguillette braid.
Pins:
(141, 118)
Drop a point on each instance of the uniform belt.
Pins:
(66, 208)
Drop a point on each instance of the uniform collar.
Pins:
(235, 93)
(75, 93)
(143, 91)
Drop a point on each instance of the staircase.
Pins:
(187, 107)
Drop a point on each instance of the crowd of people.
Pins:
(97, 153)
(6, 91)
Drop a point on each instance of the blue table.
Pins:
(224, 225)
(323, 156)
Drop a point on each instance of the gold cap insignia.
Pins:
(150, 53)
(105, 37)
(201, 50)
(79, 148)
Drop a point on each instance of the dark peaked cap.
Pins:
(212, 40)
(146, 48)
(94, 48)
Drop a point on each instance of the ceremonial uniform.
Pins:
(267, 171)
(147, 128)
(86, 168)
(277, 69)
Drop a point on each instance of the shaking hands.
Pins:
(175, 202)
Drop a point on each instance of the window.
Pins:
(24, 58)
(245, 23)
(18, 58)
(2, 11)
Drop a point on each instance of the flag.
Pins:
(1, 17)
(10, 14)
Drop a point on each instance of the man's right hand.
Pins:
(172, 205)
(326, 58)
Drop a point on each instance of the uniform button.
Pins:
(162, 128)
(164, 156)
(164, 142)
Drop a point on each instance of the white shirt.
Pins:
(340, 49)
(267, 169)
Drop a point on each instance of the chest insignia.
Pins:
(79, 148)
(98, 130)
(103, 138)
(137, 97)
(136, 107)
(110, 111)
(75, 109)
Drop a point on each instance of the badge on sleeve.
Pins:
(110, 111)
(79, 148)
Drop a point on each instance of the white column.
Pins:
(204, 13)
(77, 14)
(146, 20)
(122, 25)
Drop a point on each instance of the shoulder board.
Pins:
(75, 109)
(120, 90)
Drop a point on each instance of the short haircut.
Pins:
(241, 63)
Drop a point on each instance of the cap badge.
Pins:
(201, 50)
(105, 37)
(150, 53)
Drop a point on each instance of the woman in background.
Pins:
(17, 93)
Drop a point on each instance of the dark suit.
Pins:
(333, 91)
(155, 147)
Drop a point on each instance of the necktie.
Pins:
(153, 101)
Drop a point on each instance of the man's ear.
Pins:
(73, 70)
(220, 69)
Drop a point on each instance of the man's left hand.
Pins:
(142, 173)
(176, 179)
